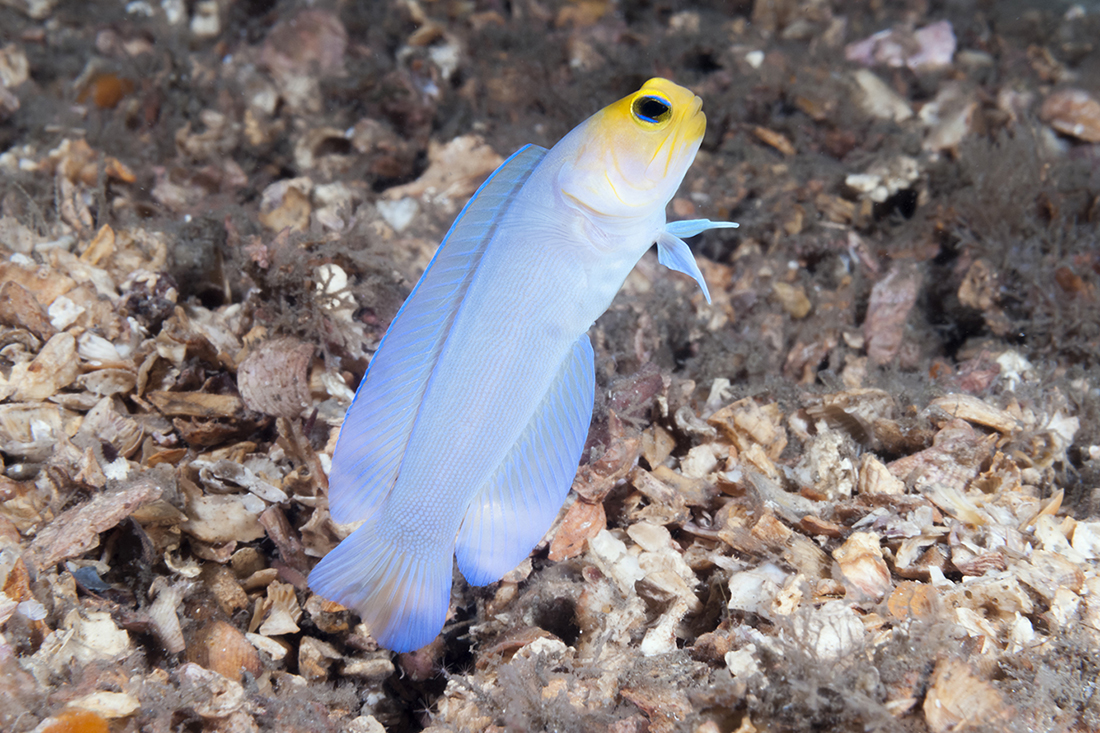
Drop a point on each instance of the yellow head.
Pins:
(629, 158)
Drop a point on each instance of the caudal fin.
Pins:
(402, 597)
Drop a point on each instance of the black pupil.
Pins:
(650, 109)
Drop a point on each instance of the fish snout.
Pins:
(695, 120)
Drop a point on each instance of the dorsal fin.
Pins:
(377, 426)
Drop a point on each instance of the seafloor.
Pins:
(856, 492)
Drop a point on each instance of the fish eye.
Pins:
(650, 109)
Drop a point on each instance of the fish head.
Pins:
(629, 158)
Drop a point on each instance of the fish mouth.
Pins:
(696, 120)
(680, 145)
(689, 133)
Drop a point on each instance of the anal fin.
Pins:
(513, 510)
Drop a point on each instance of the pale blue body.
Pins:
(465, 434)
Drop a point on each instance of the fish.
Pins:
(465, 433)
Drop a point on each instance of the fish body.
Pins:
(464, 436)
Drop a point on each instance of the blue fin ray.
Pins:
(512, 512)
(380, 420)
